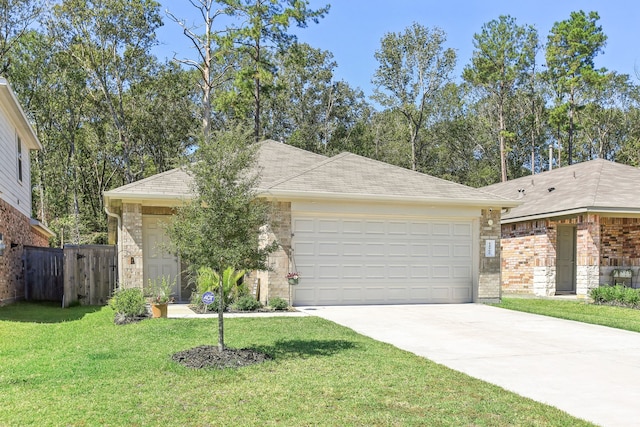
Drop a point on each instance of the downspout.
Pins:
(119, 243)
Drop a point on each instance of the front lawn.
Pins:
(581, 311)
(75, 367)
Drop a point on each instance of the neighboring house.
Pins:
(357, 230)
(17, 228)
(577, 226)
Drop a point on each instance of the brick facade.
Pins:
(15, 229)
(602, 244)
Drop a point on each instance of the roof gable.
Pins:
(288, 172)
(596, 185)
(9, 102)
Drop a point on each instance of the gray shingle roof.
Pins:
(596, 185)
(289, 172)
(350, 175)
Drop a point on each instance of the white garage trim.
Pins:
(351, 258)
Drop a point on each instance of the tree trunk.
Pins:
(220, 316)
(503, 155)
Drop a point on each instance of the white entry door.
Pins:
(345, 261)
(157, 261)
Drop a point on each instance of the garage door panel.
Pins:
(328, 226)
(375, 271)
(397, 228)
(461, 272)
(352, 271)
(419, 272)
(374, 249)
(442, 229)
(374, 227)
(304, 225)
(328, 271)
(328, 248)
(398, 272)
(399, 250)
(440, 250)
(440, 272)
(367, 261)
(305, 248)
(462, 250)
(463, 230)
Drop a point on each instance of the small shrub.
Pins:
(616, 295)
(129, 302)
(247, 303)
(278, 303)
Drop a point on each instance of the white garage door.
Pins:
(382, 261)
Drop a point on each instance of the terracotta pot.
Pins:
(159, 310)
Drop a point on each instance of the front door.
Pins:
(566, 260)
(158, 261)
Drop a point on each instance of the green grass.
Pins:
(581, 311)
(74, 367)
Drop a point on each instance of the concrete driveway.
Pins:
(591, 372)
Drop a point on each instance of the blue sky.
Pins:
(353, 28)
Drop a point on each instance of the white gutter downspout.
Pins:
(119, 245)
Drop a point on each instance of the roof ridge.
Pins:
(149, 178)
(410, 170)
(308, 169)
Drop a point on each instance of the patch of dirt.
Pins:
(122, 319)
(208, 356)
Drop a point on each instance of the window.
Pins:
(19, 160)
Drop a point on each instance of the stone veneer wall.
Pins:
(489, 274)
(15, 228)
(131, 252)
(274, 283)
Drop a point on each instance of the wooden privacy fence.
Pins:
(84, 274)
(90, 273)
(43, 273)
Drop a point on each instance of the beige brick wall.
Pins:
(131, 251)
(489, 271)
(274, 283)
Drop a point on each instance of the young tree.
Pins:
(414, 66)
(503, 57)
(572, 46)
(220, 227)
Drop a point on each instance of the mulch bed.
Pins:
(208, 356)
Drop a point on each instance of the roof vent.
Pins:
(551, 189)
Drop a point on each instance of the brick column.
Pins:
(588, 254)
(489, 272)
(131, 251)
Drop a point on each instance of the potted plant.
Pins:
(293, 278)
(159, 295)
